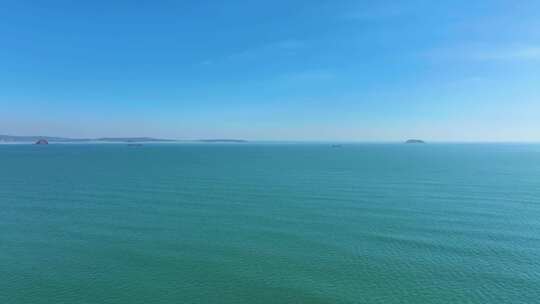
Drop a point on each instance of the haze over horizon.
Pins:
(346, 71)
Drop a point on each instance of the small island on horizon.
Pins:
(223, 140)
(415, 141)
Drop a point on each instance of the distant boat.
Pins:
(42, 142)
(415, 141)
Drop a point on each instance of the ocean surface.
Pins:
(270, 223)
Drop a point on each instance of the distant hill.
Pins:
(10, 138)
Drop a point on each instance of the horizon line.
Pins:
(343, 141)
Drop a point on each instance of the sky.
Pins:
(272, 70)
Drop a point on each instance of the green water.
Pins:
(270, 223)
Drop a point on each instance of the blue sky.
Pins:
(272, 70)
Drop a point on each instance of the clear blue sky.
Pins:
(272, 70)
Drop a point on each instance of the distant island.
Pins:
(415, 141)
(42, 142)
(223, 140)
(128, 140)
(132, 139)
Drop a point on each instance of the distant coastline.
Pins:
(53, 139)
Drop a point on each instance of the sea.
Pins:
(270, 223)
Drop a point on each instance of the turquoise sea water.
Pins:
(270, 223)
